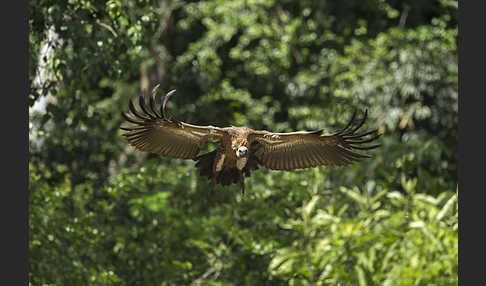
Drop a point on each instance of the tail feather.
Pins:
(252, 163)
(226, 176)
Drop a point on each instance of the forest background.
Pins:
(101, 213)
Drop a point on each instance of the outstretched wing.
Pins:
(307, 149)
(154, 133)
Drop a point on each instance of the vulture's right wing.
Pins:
(155, 133)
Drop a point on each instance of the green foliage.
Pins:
(386, 238)
(101, 213)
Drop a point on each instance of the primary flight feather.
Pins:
(241, 149)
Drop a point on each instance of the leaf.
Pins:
(283, 260)
(309, 207)
(417, 224)
(361, 275)
(447, 207)
(354, 194)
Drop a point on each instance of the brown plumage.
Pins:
(241, 149)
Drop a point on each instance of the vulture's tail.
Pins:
(205, 165)
(226, 176)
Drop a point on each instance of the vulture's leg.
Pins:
(213, 181)
(242, 183)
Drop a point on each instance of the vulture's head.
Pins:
(239, 144)
(242, 151)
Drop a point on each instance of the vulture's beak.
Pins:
(241, 152)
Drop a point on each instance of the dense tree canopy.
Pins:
(101, 213)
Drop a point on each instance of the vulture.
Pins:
(241, 150)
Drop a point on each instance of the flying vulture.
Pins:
(241, 149)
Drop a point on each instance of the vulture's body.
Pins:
(241, 149)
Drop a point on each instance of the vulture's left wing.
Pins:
(307, 149)
(155, 133)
